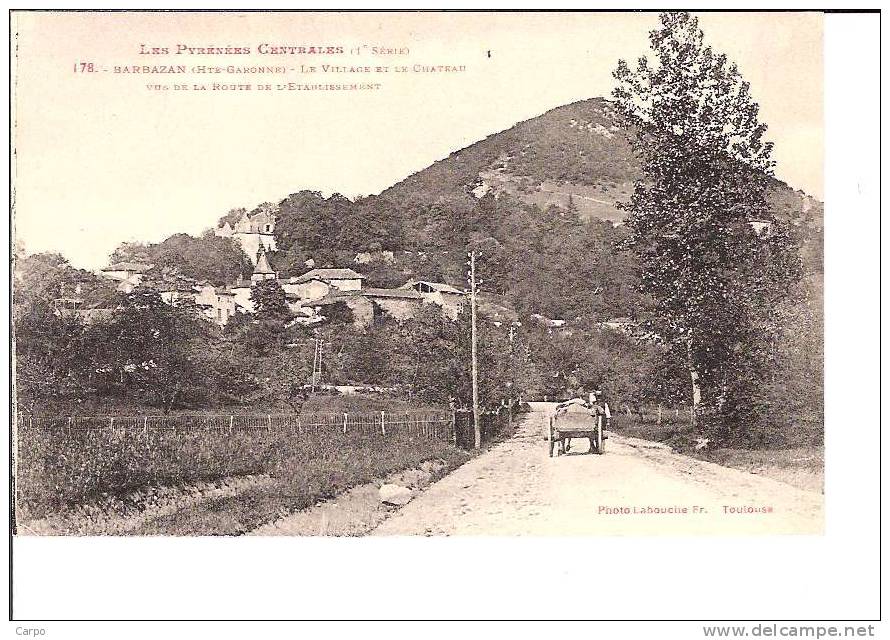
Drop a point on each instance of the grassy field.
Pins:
(802, 467)
(60, 471)
(301, 481)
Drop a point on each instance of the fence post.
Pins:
(69, 426)
(268, 421)
(659, 414)
(111, 423)
(145, 424)
(383, 422)
(345, 421)
(454, 427)
(299, 425)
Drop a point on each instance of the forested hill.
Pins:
(538, 200)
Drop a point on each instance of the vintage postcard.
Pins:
(417, 273)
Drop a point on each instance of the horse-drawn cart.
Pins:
(578, 420)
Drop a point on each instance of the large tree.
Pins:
(150, 348)
(49, 357)
(208, 257)
(269, 300)
(705, 171)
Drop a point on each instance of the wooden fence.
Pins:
(452, 426)
(438, 424)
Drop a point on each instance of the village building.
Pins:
(449, 298)
(550, 323)
(361, 307)
(762, 228)
(128, 274)
(262, 270)
(240, 291)
(252, 233)
(176, 292)
(367, 257)
(225, 307)
(89, 306)
(366, 305)
(317, 283)
(401, 304)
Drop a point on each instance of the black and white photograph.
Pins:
(418, 274)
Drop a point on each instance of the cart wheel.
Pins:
(550, 438)
(600, 440)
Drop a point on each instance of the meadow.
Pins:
(800, 462)
(118, 461)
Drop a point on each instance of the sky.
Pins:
(100, 159)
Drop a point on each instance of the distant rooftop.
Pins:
(338, 296)
(427, 286)
(138, 267)
(408, 294)
(328, 274)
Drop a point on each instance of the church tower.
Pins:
(262, 271)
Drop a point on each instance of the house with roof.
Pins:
(91, 305)
(361, 307)
(317, 283)
(252, 232)
(172, 287)
(449, 298)
(401, 304)
(240, 290)
(175, 292)
(367, 304)
(128, 274)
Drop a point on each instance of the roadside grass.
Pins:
(802, 466)
(58, 471)
(302, 481)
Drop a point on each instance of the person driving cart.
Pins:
(594, 409)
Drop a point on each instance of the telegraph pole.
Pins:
(316, 364)
(477, 425)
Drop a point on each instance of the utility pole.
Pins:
(316, 364)
(477, 425)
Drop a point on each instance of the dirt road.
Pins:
(635, 488)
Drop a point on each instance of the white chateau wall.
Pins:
(242, 297)
(353, 284)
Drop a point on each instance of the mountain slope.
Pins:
(576, 152)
